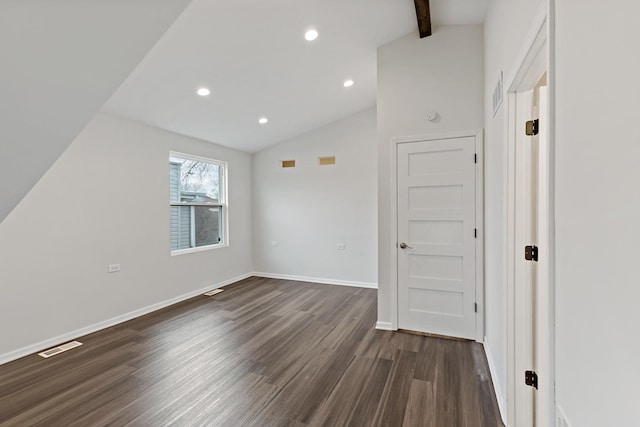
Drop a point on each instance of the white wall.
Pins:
(105, 201)
(310, 209)
(59, 62)
(507, 24)
(597, 208)
(443, 73)
(598, 211)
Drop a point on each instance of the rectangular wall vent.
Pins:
(327, 160)
(288, 163)
(213, 292)
(60, 349)
(497, 95)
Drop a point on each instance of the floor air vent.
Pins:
(213, 292)
(60, 349)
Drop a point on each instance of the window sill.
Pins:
(199, 249)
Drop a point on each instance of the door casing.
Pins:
(535, 59)
(478, 134)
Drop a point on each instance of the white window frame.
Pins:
(223, 204)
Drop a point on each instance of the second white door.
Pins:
(437, 236)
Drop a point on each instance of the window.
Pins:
(197, 199)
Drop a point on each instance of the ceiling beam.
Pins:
(424, 17)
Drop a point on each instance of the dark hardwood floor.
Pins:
(263, 353)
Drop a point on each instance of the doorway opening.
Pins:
(530, 247)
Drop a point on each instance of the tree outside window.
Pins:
(197, 202)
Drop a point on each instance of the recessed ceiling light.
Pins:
(263, 120)
(311, 35)
(203, 91)
(348, 83)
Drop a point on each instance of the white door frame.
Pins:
(478, 134)
(535, 58)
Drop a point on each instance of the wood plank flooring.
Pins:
(262, 353)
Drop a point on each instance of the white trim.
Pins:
(532, 43)
(480, 293)
(509, 244)
(223, 204)
(522, 286)
(199, 249)
(197, 158)
(52, 342)
(384, 326)
(551, 141)
(561, 418)
(436, 136)
(545, 407)
(320, 280)
(393, 227)
(533, 59)
(478, 134)
(500, 397)
(192, 224)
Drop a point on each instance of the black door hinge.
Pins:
(531, 253)
(475, 233)
(475, 158)
(476, 307)
(531, 379)
(532, 127)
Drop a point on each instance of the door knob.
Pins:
(405, 246)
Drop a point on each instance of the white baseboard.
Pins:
(52, 342)
(502, 402)
(317, 280)
(384, 326)
(561, 418)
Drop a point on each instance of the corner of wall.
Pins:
(500, 396)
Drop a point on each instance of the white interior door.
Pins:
(437, 236)
(533, 352)
(525, 273)
(543, 404)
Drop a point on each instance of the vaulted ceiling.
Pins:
(253, 57)
(60, 61)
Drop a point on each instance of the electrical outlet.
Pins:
(113, 268)
(274, 244)
(340, 246)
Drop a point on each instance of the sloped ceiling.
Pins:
(253, 57)
(59, 62)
